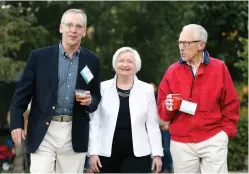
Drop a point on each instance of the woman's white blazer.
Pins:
(146, 135)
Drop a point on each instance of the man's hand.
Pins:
(85, 99)
(169, 102)
(95, 163)
(18, 135)
(157, 164)
(164, 126)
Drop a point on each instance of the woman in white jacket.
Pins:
(124, 130)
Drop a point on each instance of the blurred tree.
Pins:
(150, 27)
(242, 65)
(242, 62)
(15, 30)
(10, 68)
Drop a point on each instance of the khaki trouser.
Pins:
(209, 156)
(18, 163)
(55, 154)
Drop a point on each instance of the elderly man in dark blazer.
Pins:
(58, 125)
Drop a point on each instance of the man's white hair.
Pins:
(84, 22)
(127, 49)
(201, 33)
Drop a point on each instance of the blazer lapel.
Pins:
(114, 101)
(82, 63)
(54, 69)
(133, 100)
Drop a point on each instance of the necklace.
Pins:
(125, 93)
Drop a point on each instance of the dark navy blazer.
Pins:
(40, 81)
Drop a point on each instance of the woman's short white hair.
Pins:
(127, 49)
(201, 33)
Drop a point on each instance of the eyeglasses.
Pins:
(186, 43)
(71, 25)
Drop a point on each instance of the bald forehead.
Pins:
(75, 16)
(188, 34)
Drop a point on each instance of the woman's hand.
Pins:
(157, 164)
(95, 163)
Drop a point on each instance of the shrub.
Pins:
(238, 147)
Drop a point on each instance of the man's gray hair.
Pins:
(84, 22)
(200, 31)
(127, 49)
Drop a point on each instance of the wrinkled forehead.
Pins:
(188, 35)
(76, 18)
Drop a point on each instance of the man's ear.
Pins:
(60, 29)
(85, 32)
(202, 45)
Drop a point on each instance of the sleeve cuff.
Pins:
(167, 115)
(88, 108)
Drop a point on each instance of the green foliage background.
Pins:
(150, 27)
(238, 148)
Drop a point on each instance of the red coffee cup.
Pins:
(177, 100)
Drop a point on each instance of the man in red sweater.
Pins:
(209, 110)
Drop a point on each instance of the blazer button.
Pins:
(47, 123)
(53, 107)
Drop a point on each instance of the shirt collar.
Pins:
(206, 58)
(64, 54)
